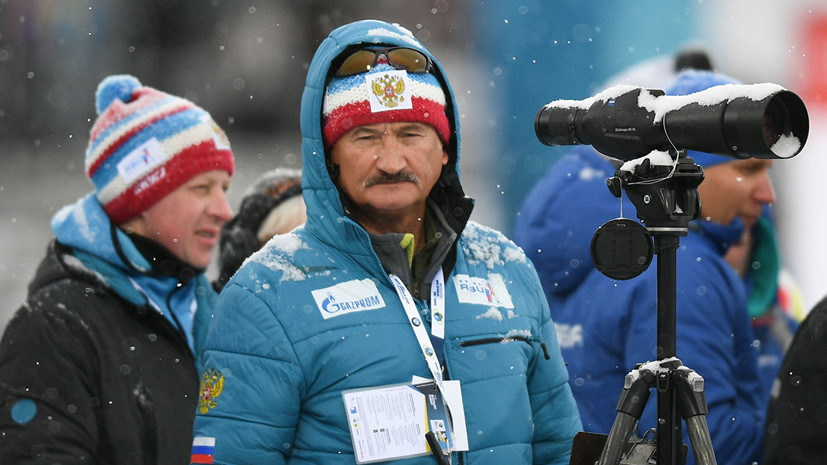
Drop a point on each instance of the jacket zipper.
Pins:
(498, 339)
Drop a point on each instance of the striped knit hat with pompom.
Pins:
(383, 95)
(146, 143)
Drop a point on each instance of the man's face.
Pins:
(387, 170)
(188, 220)
(736, 188)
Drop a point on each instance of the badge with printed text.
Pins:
(390, 422)
(483, 291)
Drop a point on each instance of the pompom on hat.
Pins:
(146, 143)
(383, 94)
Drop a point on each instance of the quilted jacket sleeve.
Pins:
(251, 386)
(556, 418)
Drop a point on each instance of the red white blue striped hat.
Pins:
(146, 143)
(382, 95)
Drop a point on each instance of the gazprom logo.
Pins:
(482, 291)
(348, 297)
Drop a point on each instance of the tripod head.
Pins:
(666, 198)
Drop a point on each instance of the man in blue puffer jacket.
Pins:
(340, 304)
(605, 326)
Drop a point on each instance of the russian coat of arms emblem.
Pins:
(212, 383)
(389, 89)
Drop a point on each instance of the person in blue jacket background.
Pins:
(606, 326)
(388, 254)
(773, 298)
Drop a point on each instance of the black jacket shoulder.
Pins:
(88, 377)
(796, 425)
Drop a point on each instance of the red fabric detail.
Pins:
(813, 64)
(346, 117)
(185, 165)
(201, 458)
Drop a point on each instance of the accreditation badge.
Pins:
(390, 422)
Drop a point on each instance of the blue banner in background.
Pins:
(538, 51)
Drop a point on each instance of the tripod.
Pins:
(666, 200)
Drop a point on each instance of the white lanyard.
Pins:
(437, 308)
(438, 305)
(452, 398)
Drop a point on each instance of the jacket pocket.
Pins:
(503, 339)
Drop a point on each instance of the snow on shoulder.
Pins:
(279, 256)
(485, 245)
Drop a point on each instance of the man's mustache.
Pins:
(402, 176)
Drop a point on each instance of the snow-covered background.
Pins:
(245, 62)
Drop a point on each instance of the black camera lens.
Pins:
(618, 126)
(775, 122)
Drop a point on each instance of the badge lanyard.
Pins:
(452, 403)
(437, 321)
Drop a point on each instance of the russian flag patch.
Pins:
(203, 449)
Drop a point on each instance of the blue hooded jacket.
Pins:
(277, 359)
(606, 326)
(85, 228)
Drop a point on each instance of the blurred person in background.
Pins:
(98, 366)
(606, 327)
(387, 285)
(773, 298)
(795, 432)
(272, 205)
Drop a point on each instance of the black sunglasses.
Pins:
(363, 60)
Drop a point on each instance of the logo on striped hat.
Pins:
(389, 91)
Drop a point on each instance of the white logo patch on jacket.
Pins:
(491, 291)
(348, 297)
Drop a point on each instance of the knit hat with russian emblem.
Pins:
(146, 143)
(383, 95)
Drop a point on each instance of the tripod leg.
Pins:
(618, 437)
(692, 399)
(629, 409)
(700, 440)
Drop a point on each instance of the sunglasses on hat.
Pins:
(363, 60)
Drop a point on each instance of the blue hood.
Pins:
(325, 214)
(561, 214)
(86, 228)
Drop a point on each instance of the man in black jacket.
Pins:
(796, 426)
(97, 366)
